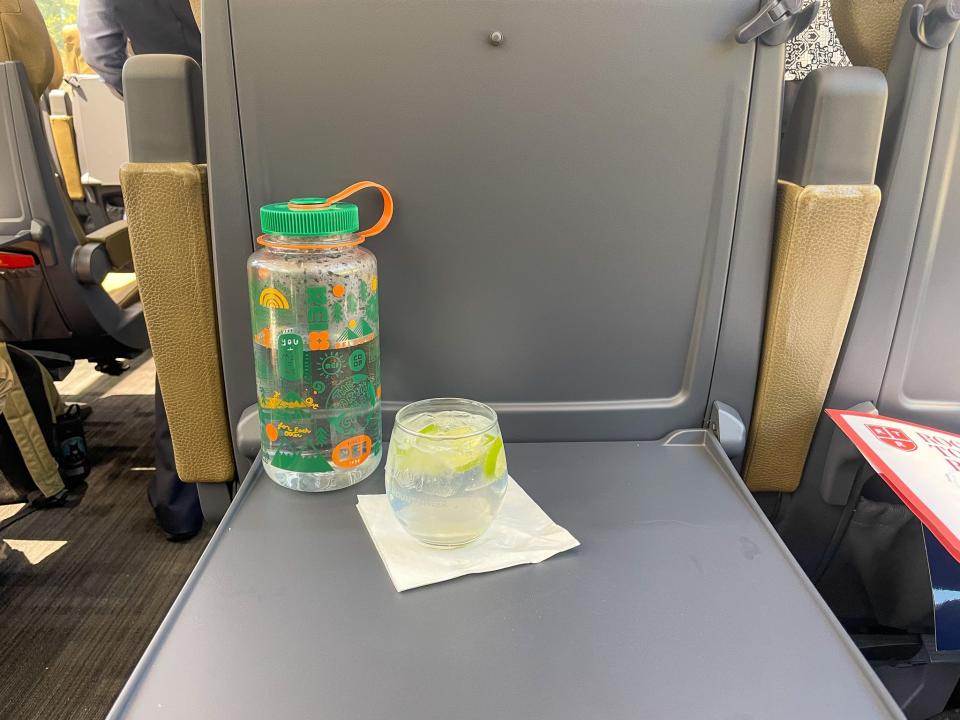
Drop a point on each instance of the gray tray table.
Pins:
(681, 602)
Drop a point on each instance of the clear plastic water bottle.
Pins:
(314, 299)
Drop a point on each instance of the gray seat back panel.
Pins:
(745, 302)
(922, 381)
(87, 310)
(14, 208)
(914, 81)
(566, 201)
(101, 126)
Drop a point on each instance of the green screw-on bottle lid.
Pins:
(286, 219)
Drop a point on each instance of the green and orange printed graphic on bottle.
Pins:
(314, 300)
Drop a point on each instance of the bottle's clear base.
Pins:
(322, 482)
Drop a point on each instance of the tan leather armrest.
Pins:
(116, 238)
(65, 141)
(823, 232)
(170, 228)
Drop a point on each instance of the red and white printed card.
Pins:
(920, 463)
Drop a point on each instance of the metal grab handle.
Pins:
(778, 21)
(934, 23)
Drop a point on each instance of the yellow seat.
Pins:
(868, 29)
(122, 288)
(73, 62)
(65, 143)
(24, 37)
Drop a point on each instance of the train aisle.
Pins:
(84, 587)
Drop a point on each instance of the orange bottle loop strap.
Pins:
(379, 226)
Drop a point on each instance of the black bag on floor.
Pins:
(31, 444)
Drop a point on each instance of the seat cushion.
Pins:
(24, 38)
(868, 29)
(122, 288)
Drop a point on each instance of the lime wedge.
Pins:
(456, 455)
(492, 460)
(434, 429)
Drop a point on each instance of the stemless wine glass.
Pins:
(446, 470)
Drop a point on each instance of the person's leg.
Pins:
(175, 503)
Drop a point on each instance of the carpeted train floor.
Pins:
(83, 588)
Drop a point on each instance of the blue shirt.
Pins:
(103, 41)
(151, 26)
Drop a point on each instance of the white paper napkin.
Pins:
(521, 534)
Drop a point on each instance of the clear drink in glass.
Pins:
(446, 471)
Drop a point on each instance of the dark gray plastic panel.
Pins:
(914, 80)
(14, 208)
(565, 213)
(229, 213)
(164, 102)
(681, 602)
(922, 690)
(836, 121)
(922, 382)
(745, 301)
